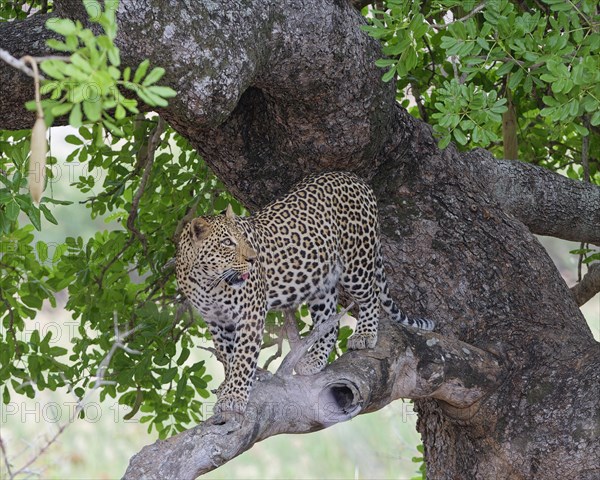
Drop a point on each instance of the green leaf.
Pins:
(505, 68)
(61, 109)
(515, 79)
(154, 76)
(81, 63)
(114, 57)
(460, 136)
(42, 251)
(164, 92)
(73, 140)
(150, 99)
(93, 9)
(92, 110)
(55, 201)
(141, 71)
(120, 112)
(62, 26)
(34, 216)
(58, 45)
(12, 210)
(75, 118)
(387, 76)
(185, 353)
(48, 214)
(168, 375)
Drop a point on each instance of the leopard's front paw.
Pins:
(310, 364)
(229, 407)
(360, 341)
(230, 402)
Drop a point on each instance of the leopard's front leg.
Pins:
(223, 339)
(233, 393)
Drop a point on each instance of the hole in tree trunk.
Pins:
(343, 396)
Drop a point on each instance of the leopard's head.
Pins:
(212, 250)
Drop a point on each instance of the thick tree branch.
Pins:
(270, 91)
(546, 202)
(246, 93)
(407, 363)
(589, 285)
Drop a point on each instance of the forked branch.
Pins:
(406, 364)
(589, 285)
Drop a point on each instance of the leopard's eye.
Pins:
(228, 242)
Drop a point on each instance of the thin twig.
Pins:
(153, 143)
(588, 286)
(585, 162)
(187, 217)
(278, 352)
(475, 11)
(5, 457)
(210, 350)
(289, 362)
(18, 64)
(113, 260)
(291, 329)
(36, 77)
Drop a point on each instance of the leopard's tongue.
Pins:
(245, 276)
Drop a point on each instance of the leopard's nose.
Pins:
(251, 259)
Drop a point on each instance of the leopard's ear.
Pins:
(200, 229)
(229, 213)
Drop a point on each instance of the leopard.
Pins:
(297, 250)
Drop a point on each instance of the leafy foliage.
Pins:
(151, 179)
(466, 63)
(19, 10)
(420, 460)
(86, 85)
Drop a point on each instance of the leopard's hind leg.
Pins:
(321, 309)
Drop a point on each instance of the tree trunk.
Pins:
(270, 91)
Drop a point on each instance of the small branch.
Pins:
(113, 260)
(473, 12)
(407, 363)
(18, 64)
(21, 65)
(277, 353)
(186, 218)
(5, 457)
(588, 286)
(153, 143)
(301, 347)
(291, 329)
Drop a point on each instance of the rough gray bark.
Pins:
(270, 91)
(406, 364)
(589, 285)
(549, 204)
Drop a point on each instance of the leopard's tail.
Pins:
(390, 306)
